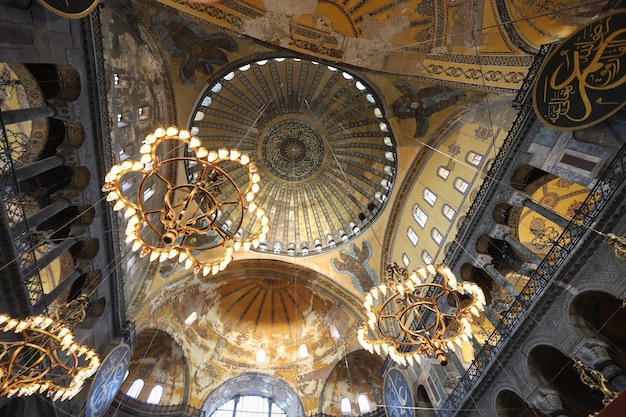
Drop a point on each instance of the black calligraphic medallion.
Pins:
(107, 381)
(71, 9)
(398, 396)
(583, 81)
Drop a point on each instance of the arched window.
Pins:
(123, 119)
(346, 408)
(443, 172)
(135, 388)
(121, 80)
(260, 355)
(155, 395)
(426, 257)
(420, 216)
(429, 196)
(143, 113)
(405, 260)
(249, 405)
(474, 158)
(461, 185)
(364, 404)
(448, 212)
(413, 237)
(436, 235)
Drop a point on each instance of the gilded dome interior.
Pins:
(320, 139)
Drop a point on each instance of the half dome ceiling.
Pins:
(271, 305)
(318, 134)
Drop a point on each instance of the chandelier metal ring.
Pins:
(426, 312)
(202, 220)
(43, 358)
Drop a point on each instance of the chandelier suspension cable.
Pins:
(261, 112)
(76, 217)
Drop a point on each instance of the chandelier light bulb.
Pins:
(223, 153)
(194, 142)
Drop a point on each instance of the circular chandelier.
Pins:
(43, 357)
(424, 313)
(200, 221)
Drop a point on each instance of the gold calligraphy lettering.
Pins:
(602, 56)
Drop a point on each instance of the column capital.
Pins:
(481, 260)
(498, 231)
(517, 199)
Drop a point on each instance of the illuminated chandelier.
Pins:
(200, 220)
(39, 354)
(424, 313)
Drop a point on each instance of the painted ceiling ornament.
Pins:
(200, 221)
(200, 51)
(420, 104)
(425, 313)
(355, 262)
(583, 80)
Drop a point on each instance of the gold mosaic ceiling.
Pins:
(324, 148)
(270, 305)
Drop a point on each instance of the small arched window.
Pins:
(448, 212)
(364, 404)
(461, 185)
(135, 388)
(436, 235)
(426, 257)
(346, 408)
(147, 193)
(405, 260)
(413, 237)
(420, 216)
(155, 395)
(143, 113)
(474, 158)
(429, 196)
(443, 172)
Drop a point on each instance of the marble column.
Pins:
(501, 279)
(47, 212)
(548, 402)
(546, 212)
(22, 115)
(55, 251)
(61, 287)
(518, 246)
(38, 167)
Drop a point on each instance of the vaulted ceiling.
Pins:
(351, 110)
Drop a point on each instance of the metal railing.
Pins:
(561, 251)
(13, 205)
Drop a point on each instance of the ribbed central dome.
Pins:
(318, 134)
